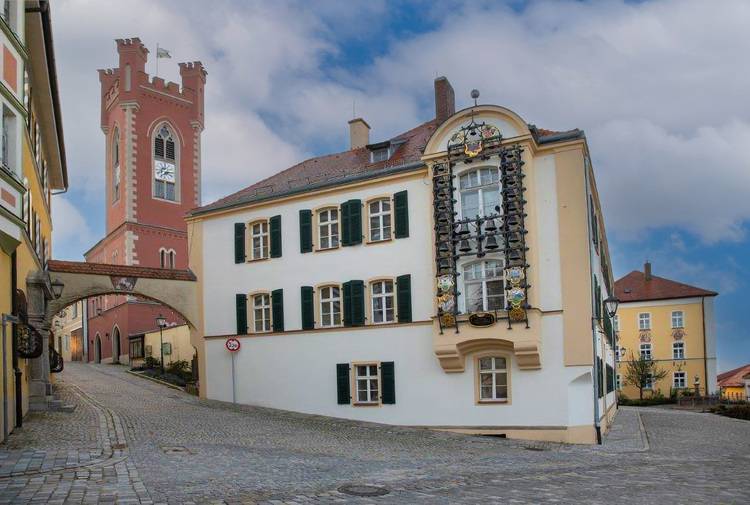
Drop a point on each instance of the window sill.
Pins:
(366, 404)
(327, 249)
(328, 327)
(381, 241)
(166, 200)
(493, 402)
(255, 260)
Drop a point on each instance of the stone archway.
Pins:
(66, 282)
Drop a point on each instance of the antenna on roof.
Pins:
(354, 108)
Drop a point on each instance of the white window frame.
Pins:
(259, 237)
(678, 350)
(116, 165)
(384, 297)
(483, 280)
(331, 227)
(327, 306)
(480, 188)
(265, 312)
(649, 382)
(678, 319)
(647, 350)
(367, 383)
(683, 376)
(493, 371)
(383, 219)
(644, 321)
(172, 134)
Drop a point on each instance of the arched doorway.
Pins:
(115, 345)
(98, 349)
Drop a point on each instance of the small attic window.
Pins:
(381, 154)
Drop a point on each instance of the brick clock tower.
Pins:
(152, 131)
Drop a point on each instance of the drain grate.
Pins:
(363, 490)
(175, 450)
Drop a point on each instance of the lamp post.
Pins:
(57, 288)
(611, 305)
(161, 321)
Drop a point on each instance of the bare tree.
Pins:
(640, 371)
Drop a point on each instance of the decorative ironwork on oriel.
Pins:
(502, 233)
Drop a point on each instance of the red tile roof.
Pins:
(733, 378)
(634, 287)
(341, 167)
(78, 267)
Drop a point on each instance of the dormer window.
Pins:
(381, 151)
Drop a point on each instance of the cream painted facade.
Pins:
(67, 328)
(545, 384)
(177, 344)
(681, 339)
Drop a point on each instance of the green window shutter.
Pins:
(346, 297)
(388, 378)
(355, 222)
(401, 214)
(344, 220)
(241, 302)
(277, 309)
(342, 384)
(274, 226)
(308, 308)
(239, 242)
(357, 293)
(403, 298)
(305, 231)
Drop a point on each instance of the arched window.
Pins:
(172, 258)
(115, 165)
(165, 164)
(162, 258)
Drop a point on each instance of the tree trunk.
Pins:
(640, 393)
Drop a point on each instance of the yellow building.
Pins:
(176, 341)
(32, 167)
(735, 384)
(670, 323)
(67, 328)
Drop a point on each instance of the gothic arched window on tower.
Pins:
(116, 166)
(165, 164)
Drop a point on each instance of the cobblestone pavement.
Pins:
(132, 441)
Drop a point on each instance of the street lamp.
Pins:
(611, 305)
(57, 288)
(161, 321)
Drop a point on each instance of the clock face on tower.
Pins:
(164, 171)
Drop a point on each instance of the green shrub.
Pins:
(151, 363)
(178, 367)
(735, 411)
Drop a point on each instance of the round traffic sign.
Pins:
(232, 345)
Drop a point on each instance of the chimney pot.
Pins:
(445, 99)
(647, 270)
(359, 133)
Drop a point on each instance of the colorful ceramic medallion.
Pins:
(516, 296)
(514, 275)
(517, 314)
(445, 283)
(446, 302)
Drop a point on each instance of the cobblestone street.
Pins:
(133, 441)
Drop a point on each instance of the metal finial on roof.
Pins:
(475, 96)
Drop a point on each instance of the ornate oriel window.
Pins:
(483, 286)
(115, 165)
(330, 306)
(262, 313)
(492, 375)
(380, 219)
(165, 164)
(381, 296)
(328, 228)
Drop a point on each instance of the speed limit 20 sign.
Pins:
(232, 345)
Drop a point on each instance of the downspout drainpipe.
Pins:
(594, 367)
(16, 370)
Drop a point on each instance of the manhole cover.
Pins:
(175, 450)
(363, 490)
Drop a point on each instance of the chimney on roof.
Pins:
(359, 133)
(445, 99)
(647, 270)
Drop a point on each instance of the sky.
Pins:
(659, 87)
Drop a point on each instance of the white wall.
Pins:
(223, 279)
(297, 372)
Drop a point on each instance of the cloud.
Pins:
(71, 234)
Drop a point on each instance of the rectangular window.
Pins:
(649, 382)
(678, 380)
(330, 306)
(678, 350)
(262, 313)
(493, 379)
(480, 192)
(646, 351)
(677, 319)
(367, 383)
(381, 294)
(380, 220)
(259, 240)
(644, 321)
(328, 228)
(484, 288)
